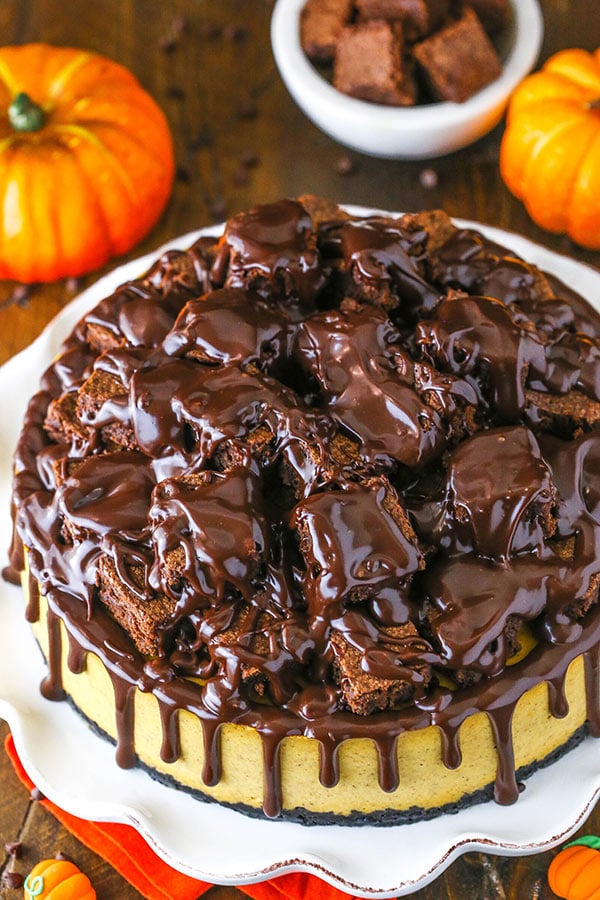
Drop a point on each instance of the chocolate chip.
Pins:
(72, 285)
(180, 25)
(168, 43)
(241, 177)
(183, 174)
(218, 210)
(175, 92)
(247, 110)
(21, 295)
(211, 30)
(235, 33)
(36, 794)
(12, 879)
(14, 849)
(249, 160)
(203, 138)
(345, 165)
(62, 856)
(428, 178)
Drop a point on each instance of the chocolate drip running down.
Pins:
(319, 477)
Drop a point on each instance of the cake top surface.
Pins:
(330, 466)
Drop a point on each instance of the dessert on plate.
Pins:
(308, 517)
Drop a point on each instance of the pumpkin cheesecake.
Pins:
(308, 517)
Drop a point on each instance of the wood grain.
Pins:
(226, 103)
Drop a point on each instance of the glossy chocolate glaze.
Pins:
(446, 520)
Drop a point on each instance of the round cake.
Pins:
(308, 517)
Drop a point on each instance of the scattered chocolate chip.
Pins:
(21, 295)
(169, 42)
(249, 160)
(211, 30)
(175, 92)
(204, 138)
(428, 178)
(72, 285)
(235, 33)
(345, 165)
(247, 110)
(12, 879)
(62, 856)
(36, 794)
(14, 849)
(218, 209)
(183, 174)
(180, 25)
(521, 786)
(241, 177)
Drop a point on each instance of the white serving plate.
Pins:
(76, 769)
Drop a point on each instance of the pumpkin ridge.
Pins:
(94, 198)
(14, 195)
(6, 142)
(558, 131)
(94, 140)
(7, 77)
(68, 70)
(584, 78)
(115, 126)
(580, 208)
(569, 175)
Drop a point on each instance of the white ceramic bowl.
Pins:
(417, 132)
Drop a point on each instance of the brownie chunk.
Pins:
(564, 414)
(503, 470)
(102, 400)
(493, 14)
(272, 250)
(322, 211)
(62, 422)
(186, 273)
(436, 224)
(458, 60)
(209, 535)
(321, 24)
(246, 638)
(418, 17)
(385, 673)
(135, 315)
(379, 263)
(143, 618)
(356, 543)
(369, 65)
(228, 327)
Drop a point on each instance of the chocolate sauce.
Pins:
(451, 520)
(381, 253)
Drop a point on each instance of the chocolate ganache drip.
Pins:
(321, 476)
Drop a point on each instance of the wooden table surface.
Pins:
(209, 65)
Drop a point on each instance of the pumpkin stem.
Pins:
(594, 104)
(587, 840)
(24, 114)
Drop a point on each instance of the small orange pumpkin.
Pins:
(86, 161)
(550, 151)
(575, 872)
(57, 879)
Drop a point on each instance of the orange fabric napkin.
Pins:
(128, 852)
